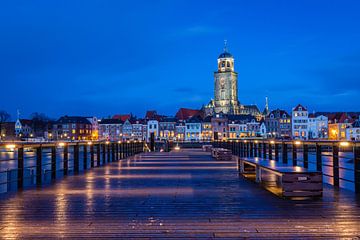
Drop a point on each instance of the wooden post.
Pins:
(104, 153)
(98, 155)
(270, 151)
(113, 153)
(20, 168)
(284, 153)
(318, 158)
(38, 165)
(306, 155)
(117, 151)
(264, 150)
(92, 158)
(66, 160)
(357, 168)
(251, 149)
(85, 156)
(108, 152)
(259, 149)
(76, 158)
(246, 151)
(256, 146)
(53, 162)
(121, 146)
(335, 153)
(276, 152)
(294, 154)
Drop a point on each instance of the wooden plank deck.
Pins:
(172, 195)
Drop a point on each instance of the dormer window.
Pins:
(284, 115)
(300, 108)
(272, 116)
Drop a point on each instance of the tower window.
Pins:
(223, 64)
(228, 64)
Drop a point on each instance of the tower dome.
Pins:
(225, 54)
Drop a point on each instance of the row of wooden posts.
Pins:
(271, 150)
(105, 152)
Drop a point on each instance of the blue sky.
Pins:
(106, 57)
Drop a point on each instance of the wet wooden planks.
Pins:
(173, 195)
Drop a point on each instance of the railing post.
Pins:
(85, 157)
(264, 150)
(117, 151)
(113, 152)
(256, 146)
(276, 151)
(251, 149)
(318, 158)
(294, 154)
(357, 168)
(270, 151)
(241, 152)
(104, 153)
(38, 165)
(20, 171)
(335, 152)
(92, 158)
(259, 149)
(98, 155)
(306, 155)
(76, 158)
(66, 159)
(284, 153)
(53, 162)
(108, 152)
(246, 151)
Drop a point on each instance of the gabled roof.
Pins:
(73, 119)
(279, 113)
(194, 119)
(241, 118)
(186, 113)
(356, 124)
(111, 121)
(122, 117)
(339, 117)
(297, 108)
(168, 119)
(26, 122)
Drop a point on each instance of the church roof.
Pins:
(225, 54)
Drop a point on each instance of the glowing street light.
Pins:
(344, 144)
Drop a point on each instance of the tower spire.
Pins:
(267, 104)
(225, 46)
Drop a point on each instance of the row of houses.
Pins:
(192, 125)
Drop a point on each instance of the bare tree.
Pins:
(4, 116)
(39, 123)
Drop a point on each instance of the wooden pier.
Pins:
(185, 194)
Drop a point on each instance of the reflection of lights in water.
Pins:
(297, 169)
(272, 163)
(177, 148)
(344, 144)
(61, 144)
(10, 147)
(60, 212)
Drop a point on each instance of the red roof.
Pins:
(339, 117)
(123, 117)
(186, 113)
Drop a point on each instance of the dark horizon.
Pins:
(106, 58)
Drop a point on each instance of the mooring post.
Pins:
(335, 156)
(294, 154)
(270, 151)
(264, 150)
(85, 157)
(20, 170)
(357, 168)
(284, 153)
(76, 158)
(276, 151)
(92, 158)
(251, 149)
(306, 155)
(98, 155)
(39, 165)
(104, 153)
(53, 162)
(318, 158)
(66, 159)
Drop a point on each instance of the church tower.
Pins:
(226, 85)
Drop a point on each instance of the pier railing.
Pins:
(339, 161)
(32, 164)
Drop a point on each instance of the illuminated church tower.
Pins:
(226, 85)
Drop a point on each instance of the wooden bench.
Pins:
(294, 181)
(221, 154)
(207, 148)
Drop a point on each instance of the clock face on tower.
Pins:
(222, 82)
